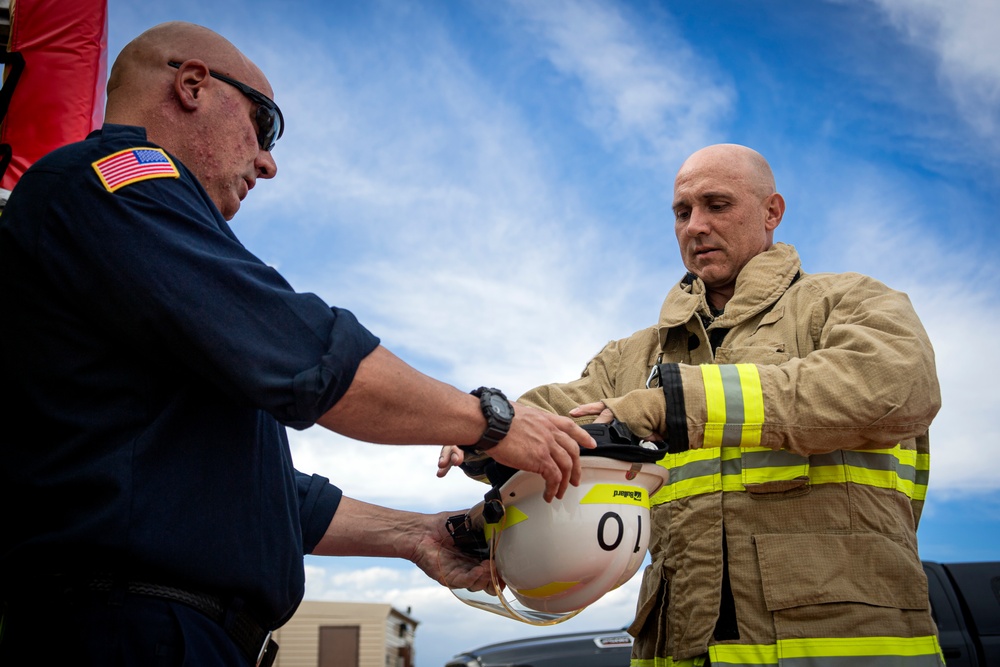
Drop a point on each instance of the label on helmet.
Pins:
(616, 494)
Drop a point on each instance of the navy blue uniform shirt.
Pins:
(150, 363)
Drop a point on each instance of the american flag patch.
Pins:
(133, 165)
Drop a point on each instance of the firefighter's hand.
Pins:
(604, 415)
(450, 457)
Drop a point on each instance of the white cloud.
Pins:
(635, 96)
(401, 477)
(448, 229)
(962, 35)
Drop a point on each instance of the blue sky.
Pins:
(487, 185)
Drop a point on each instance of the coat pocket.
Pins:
(817, 568)
(842, 585)
(764, 355)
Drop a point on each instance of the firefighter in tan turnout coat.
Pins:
(797, 406)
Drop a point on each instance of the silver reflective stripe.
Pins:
(732, 434)
(772, 459)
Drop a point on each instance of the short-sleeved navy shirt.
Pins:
(150, 364)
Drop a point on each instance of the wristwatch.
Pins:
(499, 414)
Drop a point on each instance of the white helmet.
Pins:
(557, 558)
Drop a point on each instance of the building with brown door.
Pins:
(346, 634)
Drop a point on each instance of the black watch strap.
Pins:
(499, 414)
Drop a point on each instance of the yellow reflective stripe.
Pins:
(715, 404)
(744, 654)
(905, 456)
(769, 465)
(711, 469)
(753, 404)
(692, 473)
(921, 464)
(689, 487)
(664, 495)
(732, 475)
(822, 652)
(828, 475)
(855, 647)
(881, 479)
(668, 662)
(734, 405)
(923, 467)
(904, 470)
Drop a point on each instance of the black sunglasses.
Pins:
(270, 122)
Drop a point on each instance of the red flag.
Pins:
(59, 97)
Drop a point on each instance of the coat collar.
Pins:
(761, 282)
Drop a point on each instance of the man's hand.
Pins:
(604, 415)
(547, 444)
(362, 529)
(449, 457)
(436, 554)
(538, 442)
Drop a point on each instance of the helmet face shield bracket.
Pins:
(468, 530)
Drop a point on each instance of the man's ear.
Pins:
(189, 83)
(775, 211)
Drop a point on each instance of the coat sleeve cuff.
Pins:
(676, 431)
(642, 410)
(675, 410)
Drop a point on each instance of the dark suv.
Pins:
(608, 648)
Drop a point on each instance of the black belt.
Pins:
(254, 641)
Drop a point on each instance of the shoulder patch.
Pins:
(133, 165)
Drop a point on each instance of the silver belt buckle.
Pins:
(263, 648)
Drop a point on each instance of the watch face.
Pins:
(501, 407)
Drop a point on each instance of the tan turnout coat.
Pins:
(808, 454)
